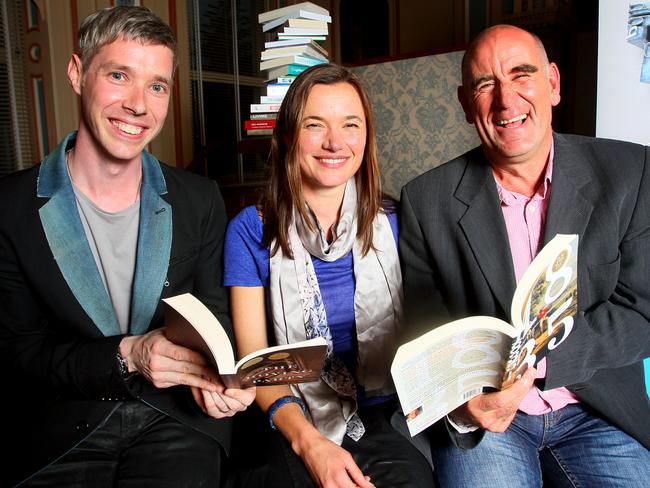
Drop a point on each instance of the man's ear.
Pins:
(554, 81)
(462, 98)
(75, 73)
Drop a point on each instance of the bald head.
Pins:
(508, 92)
(488, 35)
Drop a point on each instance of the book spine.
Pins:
(308, 61)
(272, 24)
(286, 70)
(306, 14)
(285, 80)
(318, 48)
(259, 132)
(277, 89)
(286, 43)
(280, 52)
(277, 52)
(271, 98)
(259, 124)
(264, 116)
(297, 31)
(290, 60)
(309, 11)
(296, 69)
(307, 24)
(285, 37)
(313, 53)
(265, 107)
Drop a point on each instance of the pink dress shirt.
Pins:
(525, 218)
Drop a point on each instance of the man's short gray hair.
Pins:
(122, 22)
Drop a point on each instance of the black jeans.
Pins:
(391, 461)
(137, 446)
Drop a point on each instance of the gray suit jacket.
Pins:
(456, 262)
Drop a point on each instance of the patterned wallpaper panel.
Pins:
(419, 121)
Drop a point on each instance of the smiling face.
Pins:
(508, 92)
(124, 94)
(332, 138)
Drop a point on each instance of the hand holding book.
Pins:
(189, 323)
(166, 364)
(223, 403)
(453, 363)
(494, 411)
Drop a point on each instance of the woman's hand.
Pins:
(331, 466)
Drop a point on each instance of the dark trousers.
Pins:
(137, 446)
(267, 460)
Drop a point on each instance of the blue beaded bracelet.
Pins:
(283, 401)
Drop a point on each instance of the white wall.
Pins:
(623, 110)
(623, 102)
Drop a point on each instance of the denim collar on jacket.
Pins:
(67, 240)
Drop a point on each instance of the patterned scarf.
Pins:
(299, 313)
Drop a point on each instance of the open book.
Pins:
(444, 368)
(189, 323)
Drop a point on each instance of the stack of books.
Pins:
(295, 33)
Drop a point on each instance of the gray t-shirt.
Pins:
(113, 240)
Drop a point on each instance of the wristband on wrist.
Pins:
(283, 401)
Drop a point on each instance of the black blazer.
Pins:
(57, 332)
(456, 262)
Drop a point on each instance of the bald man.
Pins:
(469, 230)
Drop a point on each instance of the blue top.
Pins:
(246, 263)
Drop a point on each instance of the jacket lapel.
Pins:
(568, 210)
(568, 213)
(154, 246)
(67, 240)
(485, 230)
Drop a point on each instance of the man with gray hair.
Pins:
(471, 227)
(90, 241)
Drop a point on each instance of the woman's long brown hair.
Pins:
(284, 191)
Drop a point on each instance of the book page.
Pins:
(441, 370)
(544, 305)
(191, 324)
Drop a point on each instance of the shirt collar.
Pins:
(508, 197)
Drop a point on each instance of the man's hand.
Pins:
(331, 466)
(495, 411)
(223, 402)
(166, 364)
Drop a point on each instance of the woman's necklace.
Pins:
(68, 156)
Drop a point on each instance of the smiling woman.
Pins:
(332, 140)
(320, 254)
